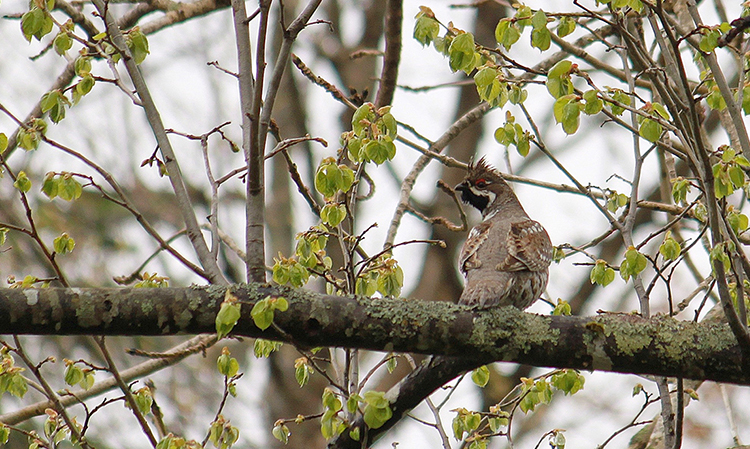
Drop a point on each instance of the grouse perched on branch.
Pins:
(506, 257)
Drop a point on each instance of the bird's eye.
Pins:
(481, 183)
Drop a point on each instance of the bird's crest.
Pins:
(482, 168)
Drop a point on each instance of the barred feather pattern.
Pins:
(506, 257)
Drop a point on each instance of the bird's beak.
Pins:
(465, 190)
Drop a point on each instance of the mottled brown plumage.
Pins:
(506, 257)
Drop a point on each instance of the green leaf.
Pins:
(22, 182)
(558, 254)
(523, 145)
(390, 280)
(426, 29)
(391, 363)
(709, 40)
(226, 364)
(264, 348)
(722, 182)
(62, 43)
(228, 315)
(298, 274)
(64, 244)
(302, 371)
(3, 142)
(333, 214)
(566, 26)
(262, 315)
(621, 97)
(328, 177)
(362, 117)
(563, 307)
(670, 248)
(30, 23)
(83, 65)
(507, 33)
(737, 221)
(281, 432)
(650, 130)
(73, 374)
(69, 188)
(54, 103)
(633, 264)
(88, 379)
(330, 401)
(85, 85)
(17, 385)
(263, 311)
(280, 273)
(367, 284)
(461, 53)
(4, 434)
(488, 85)
(602, 274)
(481, 376)
(50, 185)
(568, 381)
(472, 421)
(571, 113)
(523, 16)
(746, 99)
(736, 175)
(517, 95)
(377, 409)
(557, 439)
(594, 104)
(137, 44)
(661, 110)
(539, 20)
(36, 23)
(144, 400)
(719, 254)
(376, 151)
(505, 135)
(616, 201)
(561, 69)
(458, 427)
(541, 39)
(680, 189)
(558, 109)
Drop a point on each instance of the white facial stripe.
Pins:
(484, 193)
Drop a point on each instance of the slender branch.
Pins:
(394, 18)
(253, 144)
(51, 395)
(732, 106)
(170, 159)
(129, 398)
(171, 357)
(438, 146)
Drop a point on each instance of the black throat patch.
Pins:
(479, 201)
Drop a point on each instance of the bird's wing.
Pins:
(468, 259)
(528, 246)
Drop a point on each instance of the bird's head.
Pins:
(484, 188)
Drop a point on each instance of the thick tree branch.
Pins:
(610, 342)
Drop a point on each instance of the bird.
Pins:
(506, 257)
